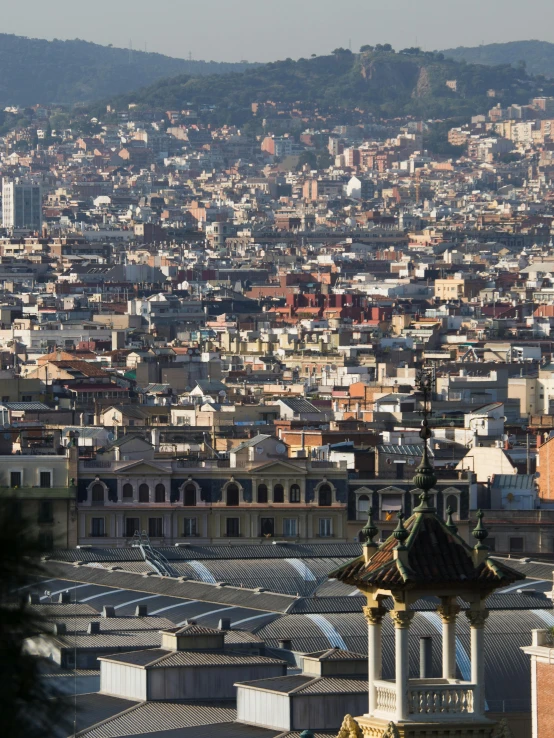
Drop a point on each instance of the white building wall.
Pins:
(258, 707)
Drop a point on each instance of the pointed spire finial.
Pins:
(400, 533)
(425, 478)
(449, 522)
(369, 531)
(480, 532)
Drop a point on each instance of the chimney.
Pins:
(60, 629)
(425, 657)
(224, 624)
(64, 597)
(93, 628)
(33, 599)
(108, 611)
(141, 611)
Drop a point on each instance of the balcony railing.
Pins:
(427, 697)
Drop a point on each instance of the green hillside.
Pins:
(538, 56)
(378, 80)
(39, 71)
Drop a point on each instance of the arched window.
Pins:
(452, 503)
(98, 494)
(325, 496)
(262, 493)
(159, 493)
(144, 493)
(232, 495)
(278, 493)
(363, 507)
(294, 494)
(190, 495)
(127, 491)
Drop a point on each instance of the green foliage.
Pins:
(436, 140)
(537, 56)
(28, 710)
(379, 81)
(39, 71)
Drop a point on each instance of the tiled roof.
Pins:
(435, 555)
(161, 657)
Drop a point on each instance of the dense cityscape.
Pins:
(277, 399)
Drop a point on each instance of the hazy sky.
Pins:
(265, 30)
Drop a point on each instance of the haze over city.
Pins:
(265, 30)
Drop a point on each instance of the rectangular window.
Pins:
(491, 544)
(390, 505)
(131, 526)
(516, 545)
(267, 527)
(233, 527)
(325, 528)
(189, 529)
(45, 511)
(45, 479)
(97, 528)
(290, 527)
(15, 479)
(155, 527)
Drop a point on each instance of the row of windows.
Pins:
(45, 511)
(190, 527)
(16, 479)
(325, 496)
(391, 504)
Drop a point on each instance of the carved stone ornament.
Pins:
(502, 730)
(448, 613)
(401, 618)
(391, 731)
(374, 615)
(477, 618)
(350, 728)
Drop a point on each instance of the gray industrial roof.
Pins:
(148, 717)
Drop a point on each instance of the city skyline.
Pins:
(247, 31)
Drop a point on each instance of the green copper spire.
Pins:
(480, 532)
(400, 533)
(369, 531)
(425, 477)
(449, 522)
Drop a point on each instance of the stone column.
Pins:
(119, 525)
(477, 629)
(448, 613)
(374, 617)
(401, 619)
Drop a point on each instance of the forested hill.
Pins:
(538, 56)
(39, 71)
(377, 80)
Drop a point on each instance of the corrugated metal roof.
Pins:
(138, 639)
(222, 552)
(335, 685)
(283, 684)
(514, 481)
(404, 450)
(155, 716)
(110, 625)
(93, 708)
(190, 590)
